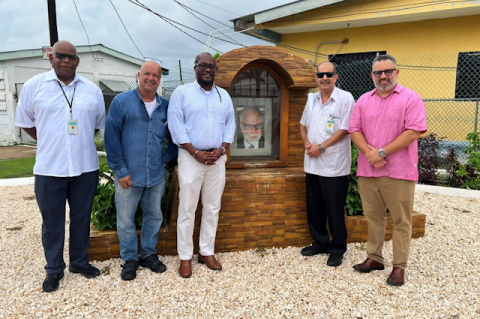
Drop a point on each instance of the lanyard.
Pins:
(218, 94)
(70, 103)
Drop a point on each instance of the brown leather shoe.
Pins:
(185, 269)
(397, 277)
(369, 265)
(210, 261)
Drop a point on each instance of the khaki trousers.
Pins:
(378, 194)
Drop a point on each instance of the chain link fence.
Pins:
(177, 77)
(449, 85)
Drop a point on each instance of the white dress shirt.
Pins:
(204, 118)
(42, 105)
(250, 144)
(337, 159)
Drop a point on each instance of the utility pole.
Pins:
(180, 67)
(52, 22)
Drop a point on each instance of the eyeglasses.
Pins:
(204, 66)
(387, 72)
(329, 75)
(250, 127)
(62, 56)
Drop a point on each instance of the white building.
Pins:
(113, 71)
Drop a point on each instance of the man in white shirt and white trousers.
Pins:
(62, 111)
(324, 131)
(202, 123)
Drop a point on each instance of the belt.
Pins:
(209, 150)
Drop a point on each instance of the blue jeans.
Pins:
(127, 201)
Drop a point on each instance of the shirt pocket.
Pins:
(331, 157)
(335, 117)
(85, 103)
(161, 129)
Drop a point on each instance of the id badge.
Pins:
(330, 125)
(73, 127)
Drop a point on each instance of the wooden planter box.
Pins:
(261, 208)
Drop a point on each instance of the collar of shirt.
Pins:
(52, 75)
(333, 96)
(247, 144)
(398, 88)
(136, 92)
(214, 87)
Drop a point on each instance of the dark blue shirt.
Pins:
(135, 142)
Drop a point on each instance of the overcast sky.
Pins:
(24, 25)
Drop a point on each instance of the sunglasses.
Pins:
(204, 66)
(329, 75)
(387, 72)
(63, 56)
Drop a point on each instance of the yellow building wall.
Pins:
(427, 54)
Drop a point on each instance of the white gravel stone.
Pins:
(442, 280)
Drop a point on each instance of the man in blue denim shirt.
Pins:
(135, 134)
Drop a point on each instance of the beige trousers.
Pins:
(378, 194)
(195, 177)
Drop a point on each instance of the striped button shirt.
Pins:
(204, 118)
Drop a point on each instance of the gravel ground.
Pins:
(443, 279)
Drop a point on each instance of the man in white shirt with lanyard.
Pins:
(202, 122)
(324, 131)
(62, 111)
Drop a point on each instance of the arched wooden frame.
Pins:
(284, 106)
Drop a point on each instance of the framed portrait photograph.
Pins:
(253, 117)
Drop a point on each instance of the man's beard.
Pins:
(205, 83)
(386, 88)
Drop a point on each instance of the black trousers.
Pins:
(52, 194)
(326, 198)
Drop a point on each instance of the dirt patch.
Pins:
(17, 151)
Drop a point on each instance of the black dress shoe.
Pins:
(153, 263)
(51, 283)
(87, 271)
(334, 261)
(313, 250)
(129, 271)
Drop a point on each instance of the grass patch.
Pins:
(23, 167)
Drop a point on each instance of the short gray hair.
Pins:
(250, 109)
(384, 57)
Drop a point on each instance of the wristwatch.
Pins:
(322, 149)
(382, 153)
(224, 150)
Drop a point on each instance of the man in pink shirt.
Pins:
(385, 126)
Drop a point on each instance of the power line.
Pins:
(171, 22)
(189, 10)
(203, 14)
(88, 39)
(118, 14)
(141, 5)
(211, 5)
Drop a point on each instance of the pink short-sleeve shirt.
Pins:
(381, 121)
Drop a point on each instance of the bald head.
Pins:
(64, 61)
(153, 66)
(328, 65)
(60, 46)
(149, 80)
(326, 77)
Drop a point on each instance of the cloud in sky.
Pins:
(25, 25)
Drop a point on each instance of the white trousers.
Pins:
(193, 178)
